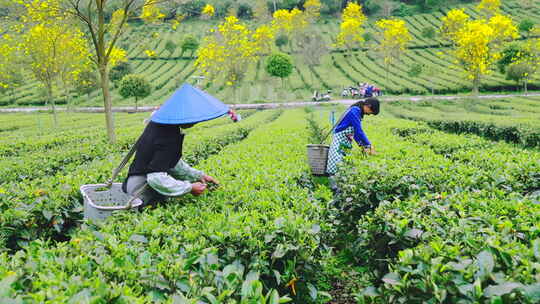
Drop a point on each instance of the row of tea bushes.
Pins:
(254, 238)
(49, 205)
(444, 218)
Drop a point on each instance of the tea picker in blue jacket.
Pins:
(158, 160)
(347, 130)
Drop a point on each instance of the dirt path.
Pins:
(274, 105)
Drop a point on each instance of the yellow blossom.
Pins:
(453, 22)
(489, 7)
(208, 11)
(230, 49)
(150, 53)
(351, 30)
(117, 55)
(290, 22)
(150, 12)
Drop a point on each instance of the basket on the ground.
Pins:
(100, 201)
(317, 158)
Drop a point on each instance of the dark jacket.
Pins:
(158, 150)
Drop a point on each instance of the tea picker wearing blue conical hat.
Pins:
(158, 160)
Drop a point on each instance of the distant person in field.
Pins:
(349, 129)
(158, 160)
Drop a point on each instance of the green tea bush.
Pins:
(443, 218)
(42, 201)
(233, 245)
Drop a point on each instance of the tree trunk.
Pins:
(476, 85)
(136, 105)
(53, 106)
(387, 67)
(525, 85)
(12, 95)
(68, 103)
(104, 79)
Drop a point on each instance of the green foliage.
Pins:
(458, 207)
(279, 65)
(170, 46)
(429, 32)
(509, 55)
(446, 217)
(404, 10)
(524, 135)
(245, 11)
(480, 117)
(367, 36)
(190, 43)
(316, 132)
(119, 71)
(518, 72)
(281, 40)
(87, 82)
(525, 26)
(57, 204)
(230, 245)
(415, 70)
(134, 85)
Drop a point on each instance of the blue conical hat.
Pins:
(189, 105)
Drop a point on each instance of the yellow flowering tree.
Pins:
(102, 34)
(489, 7)
(289, 23)
(312, 10)
(454, 21)
(351, 30)
(150, 12)
(7, 60)
(54, 53)
(395, 37)
(228, 51)
(264, 37)
(208, 11)
(10, 75)
(477, 43)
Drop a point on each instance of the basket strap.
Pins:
(124, 161)
(337, 124)
(135, 195)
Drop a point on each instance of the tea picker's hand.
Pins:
(208, 179)
(370, 150)
(198, 188)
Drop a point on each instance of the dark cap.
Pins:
(373, 104)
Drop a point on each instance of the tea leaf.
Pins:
(501, 289)
(532, 292)
(392, 278)
(312, 291)
(138, 238)
(485, 263)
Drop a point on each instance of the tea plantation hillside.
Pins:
(515, 120)
(433, 217)
(166, 70)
